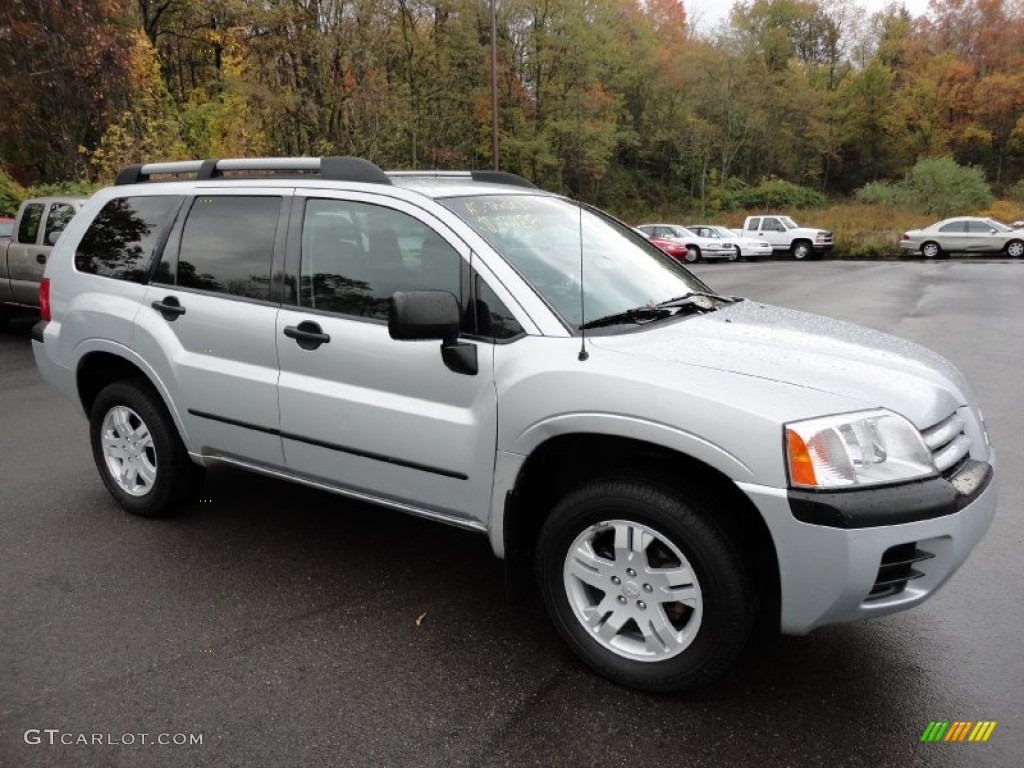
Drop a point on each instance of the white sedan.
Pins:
(965, 234)
(697, 247)
(746, 247)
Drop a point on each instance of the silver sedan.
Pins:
(965, 234)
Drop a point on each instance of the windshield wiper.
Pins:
(693, 298)
(635, 315)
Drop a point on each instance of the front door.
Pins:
(359, 410)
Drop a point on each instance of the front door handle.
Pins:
(170, 308)
(307, 334)
(41, 258)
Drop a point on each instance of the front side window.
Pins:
(540, 237)
(356, 255)
(493, 318)
(121, 239)
(773, 225)
(28, 229)
(60, 215)
(227, 245)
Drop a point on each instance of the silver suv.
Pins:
(672, 464)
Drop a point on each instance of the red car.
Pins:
(674, 248)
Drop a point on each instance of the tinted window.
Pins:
(980, 227)
(120, 240)
(955, 226)
(28, 229)
(60, 215)
(755, 223)
(227, 245)
(355, 255)
(773, 225)
(492, 316)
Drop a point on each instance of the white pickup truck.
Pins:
(784, 234)
(23, 256)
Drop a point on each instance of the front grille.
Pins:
(897, 569)
(948, 444)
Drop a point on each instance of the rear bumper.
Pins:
(827, 572)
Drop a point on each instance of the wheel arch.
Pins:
(100, 367)
(567, 461)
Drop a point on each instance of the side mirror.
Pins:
(423, 316)
(51, 239)
(432, 315)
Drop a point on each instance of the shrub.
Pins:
(770, 194)
(11, 194)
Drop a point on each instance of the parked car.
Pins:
(674, 248)
(697, 247)
(746, 247)
(786, 236)
(669, 464)
(36, 227)
(964, 234)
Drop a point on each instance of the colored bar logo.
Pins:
(958, 730)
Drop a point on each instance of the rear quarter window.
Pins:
(121, 240)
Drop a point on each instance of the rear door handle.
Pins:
(307, 334)
(170, 308)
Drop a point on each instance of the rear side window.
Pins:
(28, 229)
(227, 245)
(121, 239)
(955, 226)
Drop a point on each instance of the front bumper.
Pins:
(827, 573)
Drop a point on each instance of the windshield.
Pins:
(788, 223)
(998, 226)
(540, 237)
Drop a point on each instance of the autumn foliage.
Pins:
(618, 101)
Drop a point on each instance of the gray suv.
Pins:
(673, 465)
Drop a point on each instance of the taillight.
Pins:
(44, 298)
(906, 235)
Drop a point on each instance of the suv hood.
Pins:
(810, 351)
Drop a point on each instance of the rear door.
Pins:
(953, 236)
(382, 418)
(208, 320)
(23, 250)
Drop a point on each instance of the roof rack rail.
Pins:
(331, 168)
(493, 177)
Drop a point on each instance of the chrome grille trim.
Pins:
(947, 442)
(943, 432)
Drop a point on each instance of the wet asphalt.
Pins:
(288, 627)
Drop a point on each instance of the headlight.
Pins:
(854, 449)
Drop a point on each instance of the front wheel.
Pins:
(643, 586)
(692, 254)
(138, 452)
(801, 250)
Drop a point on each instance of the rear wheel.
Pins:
(1015, 249)
(138, 452)
(931, 250)
(643, 586)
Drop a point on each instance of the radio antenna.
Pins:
(583, 355)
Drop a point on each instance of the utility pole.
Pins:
(494, 86)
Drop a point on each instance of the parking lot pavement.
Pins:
(290, 627)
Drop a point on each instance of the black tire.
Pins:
(725, 596)
(931, 250)
(692, 254)
(802, 250)
(1015, 249)
(177, 477)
